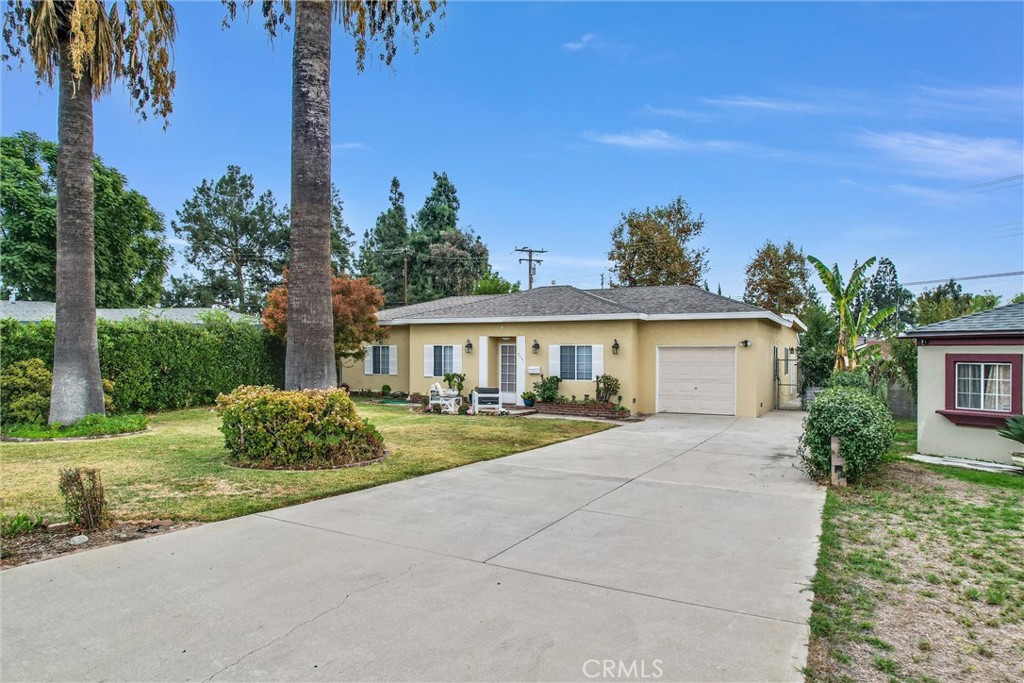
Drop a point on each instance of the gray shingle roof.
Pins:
(1002, 320)
(679, 299)
(563, 300)
(35, 311)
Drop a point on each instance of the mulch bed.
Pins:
(44, 544)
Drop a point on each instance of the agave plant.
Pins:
(1014, 429)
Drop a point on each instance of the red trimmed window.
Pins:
(983, 389)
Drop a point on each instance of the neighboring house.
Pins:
(968, 383)
(674, 349)
(36, 311)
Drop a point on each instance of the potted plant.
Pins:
(455, 381)
(528, 398)
(1014, 431)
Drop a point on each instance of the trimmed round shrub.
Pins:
(853, 379)
(268, 428)
(863, 424)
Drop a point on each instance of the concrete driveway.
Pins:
(674, 549)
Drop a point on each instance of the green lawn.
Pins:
(920, 575)
(177, 470)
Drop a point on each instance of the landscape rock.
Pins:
(79, 540)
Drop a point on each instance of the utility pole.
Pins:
(531, 260)
(405, 274)
(602, 280)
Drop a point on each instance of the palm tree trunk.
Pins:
(309, 359)
(77, 386)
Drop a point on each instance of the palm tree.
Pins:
(86, 48)
(309, 355)
(851, 327)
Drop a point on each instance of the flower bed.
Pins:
(582, 409)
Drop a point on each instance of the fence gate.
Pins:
(787, 379)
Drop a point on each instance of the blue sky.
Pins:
(854, 129)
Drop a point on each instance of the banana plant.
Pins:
(844, 294)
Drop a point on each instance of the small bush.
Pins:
(18, 523)
(311, 429)
(1014, 429)
(855, 379)
(547, 389)
(607, 386)
(84, 500)
(385, 389)
(463, 409)
(863, 424)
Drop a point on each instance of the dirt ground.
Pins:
(927, 582)
(43, 544)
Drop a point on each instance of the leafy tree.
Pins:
(85, 49)
(949, 300)
(310, 361)
(493, 283)
(444, 260)
(817, 354)
(852, 326)
(341, 236)
(652, 247)
(883, 290)
(354, 306)
(903, 357)
(778, 279)
(131, 253)
(235, 240)
(385, 247)
(1017, 299)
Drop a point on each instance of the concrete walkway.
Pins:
(675, 549)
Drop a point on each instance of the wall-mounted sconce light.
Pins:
(745, 343)
(615, 347)
(469, 346)
(536, 346)
(792, 350)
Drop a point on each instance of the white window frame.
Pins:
(576, 362)
(983, 394)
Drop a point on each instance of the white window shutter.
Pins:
(428, 360)
(392, 360)
(554, 360)
(368, 360)
(456, 359)
(597, 360)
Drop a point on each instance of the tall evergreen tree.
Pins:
(385, 246)
(883, 290)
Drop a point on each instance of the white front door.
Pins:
(507, 372)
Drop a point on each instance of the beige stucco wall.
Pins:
(352, 370)
(755, 390)
(635, 365)
(938, 436)
(546, 334)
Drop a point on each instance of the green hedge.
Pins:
(159, 364)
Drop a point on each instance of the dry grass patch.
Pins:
(921, 578)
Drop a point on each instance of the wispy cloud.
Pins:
(942, 155)
(766, 104)
(678, 113)
(348, 145)
(586, 40)
(657, 139)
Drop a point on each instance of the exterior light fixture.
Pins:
(615, 348)
(469, 346)
(536, 346)
(745, 343)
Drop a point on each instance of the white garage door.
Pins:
(697, 379)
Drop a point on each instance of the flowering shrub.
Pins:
(863, 424)
(311, 429)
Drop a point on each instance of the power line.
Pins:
(966, 277)
(530, 261)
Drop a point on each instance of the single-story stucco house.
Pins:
(968, 382)
(37, 311)
(673, 348)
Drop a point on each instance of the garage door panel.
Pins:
(697, 380)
